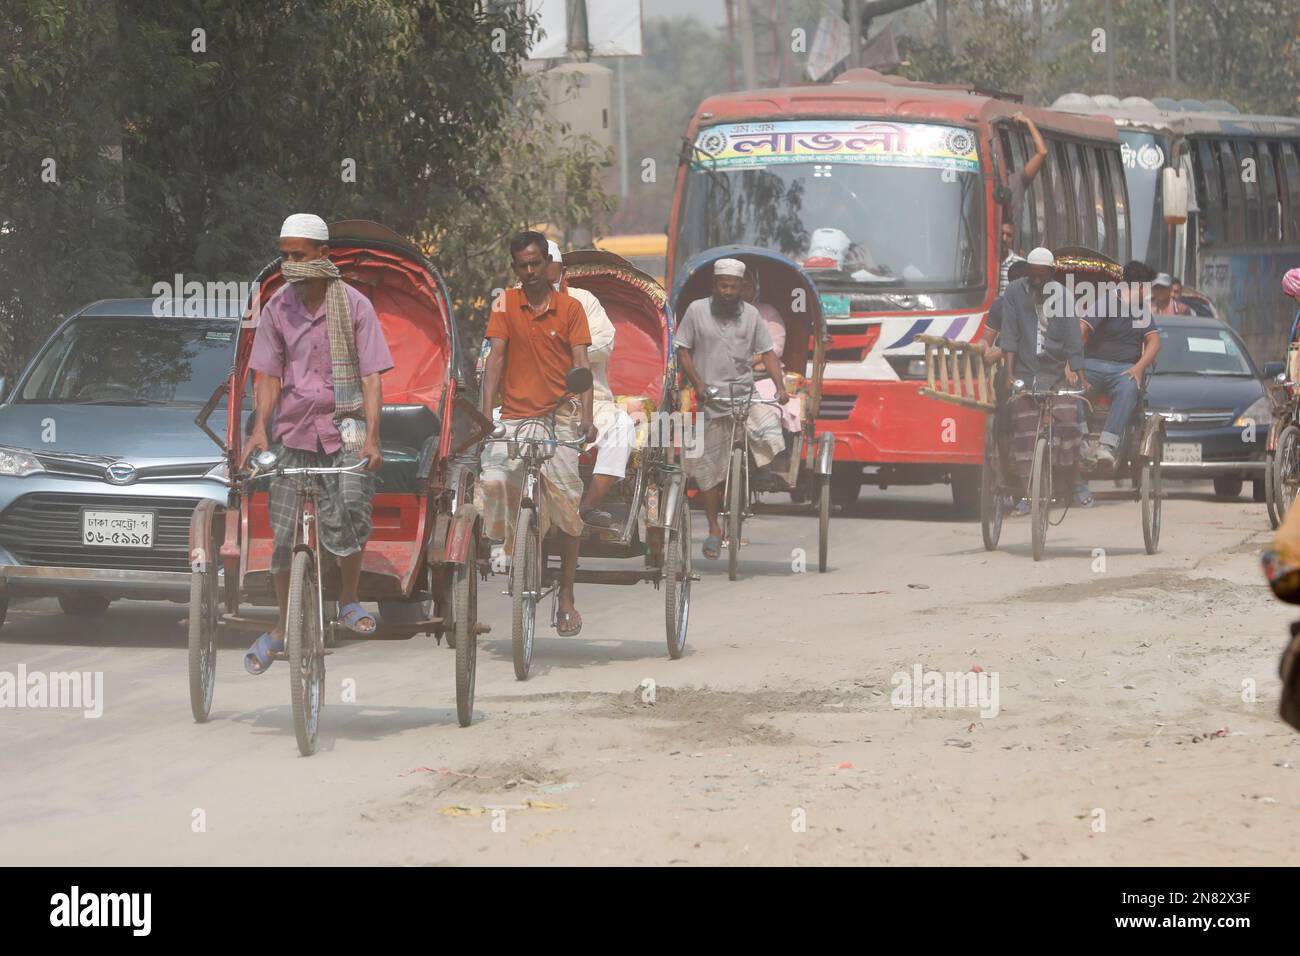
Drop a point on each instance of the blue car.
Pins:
(1212, 398)
(101, 462)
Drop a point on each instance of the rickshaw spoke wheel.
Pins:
(303, 643)
(464, 601)
(991, 510)
(203, 640)
(1151, 498)
(823, 521)
(525, 580)
(677, 580)
(1287, 477)
(1040, 495)
(1270, 490)
(736, 501)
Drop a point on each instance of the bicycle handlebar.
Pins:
(257, 474)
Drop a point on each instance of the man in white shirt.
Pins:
(617, 432)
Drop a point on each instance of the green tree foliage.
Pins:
(228, 116)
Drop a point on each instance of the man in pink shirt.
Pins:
(291, 353)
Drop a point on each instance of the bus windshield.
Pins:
(891, 206)
(1144, 157)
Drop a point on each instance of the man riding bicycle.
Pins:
(319, 352)
(716, 342)
(537, 335)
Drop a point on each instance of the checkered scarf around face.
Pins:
(343, 348)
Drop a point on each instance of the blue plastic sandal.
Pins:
(258, 658)
(351, 616)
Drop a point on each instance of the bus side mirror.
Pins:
(1174, 190)
(4, 387)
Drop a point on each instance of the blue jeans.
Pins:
(1109, 377)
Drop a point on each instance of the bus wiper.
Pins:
(125, 401)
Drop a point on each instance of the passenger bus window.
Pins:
(1214, 221)
(1268, 194)
(1291, 191)
(1096, 160)
(1060, 230)
(1026, 229)
(1084, 203)
(1248, 166)
(1234, 196)
(1119, 198)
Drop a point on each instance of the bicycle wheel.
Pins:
(991, 512)
(1287, 473)
(735, 506)
(677, 580)
(823, 521)
(203, 640)
(1040, 496)
(464, 601)
(304, 643)
(1270, 490)
(525, 584)
(1150, 490)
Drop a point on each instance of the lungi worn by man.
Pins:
(717, 340)
(319, 351)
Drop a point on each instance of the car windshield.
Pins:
(133, 361)
(1201, 351)
(859, 204)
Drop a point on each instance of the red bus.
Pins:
(884, 189)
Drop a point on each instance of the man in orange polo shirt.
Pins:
(537, 335)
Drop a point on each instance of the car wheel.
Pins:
(1227, 487)
(84, 605)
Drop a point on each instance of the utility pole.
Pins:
(747, 45)
(622, 132)
(855, 33)
(1173, 43)
(783, 37)
(1110, 50)
(941, 13)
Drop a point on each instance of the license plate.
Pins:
(1183, 452)
(117, 529)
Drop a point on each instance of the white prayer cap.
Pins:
(553, 251)
(1163, 279)
(728, 267)
(1041, 257)
(303, 225)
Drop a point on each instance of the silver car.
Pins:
(101, 461)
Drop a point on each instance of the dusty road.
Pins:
(1123, 734)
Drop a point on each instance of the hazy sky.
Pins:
(708, 11)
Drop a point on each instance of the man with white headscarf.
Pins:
(616, 428)
(716, 341)
(318, 351)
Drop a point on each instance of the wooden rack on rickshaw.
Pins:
(419, 561)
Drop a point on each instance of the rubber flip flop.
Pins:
(564, 624)
(713, 547)
(258, 657)
(350, 616)
(597, 518)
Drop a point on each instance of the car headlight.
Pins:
(1260, 412)
(18, 463)
(219, 472)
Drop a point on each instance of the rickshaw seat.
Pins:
(408, 435)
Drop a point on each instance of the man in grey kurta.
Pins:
(716, 341)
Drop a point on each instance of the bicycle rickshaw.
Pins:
(956, 372)
(803, 470)
(420, 559)
(651, 517)
(1282, 459)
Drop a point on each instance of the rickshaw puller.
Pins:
(320, 351)
(716, 341)
(537, 335)
(1041, 346)
(615, 429)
